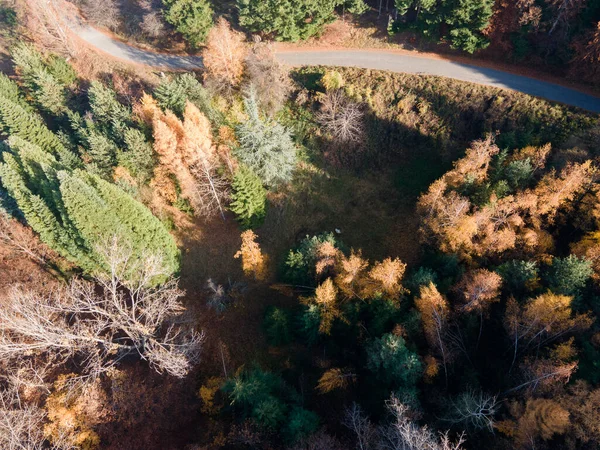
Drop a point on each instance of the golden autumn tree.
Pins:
(186, 150)
(434, 311)
(351, 274)
(385, 277)
(478, 289)
(541, 419)
(326, 299)
(254, 263)
(335, 378)
(224, 56)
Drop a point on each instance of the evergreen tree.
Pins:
(192, 18)
(289, 20)
(569, 275)
(278, 326)
(393, 363)
(49, 94)
(249, 198)
(138, 157)
(101, 152)
(10, 91)
(171, 95)
(467, 19)
(265, 146)
(109, 114)
(16, 120)
(75, 212)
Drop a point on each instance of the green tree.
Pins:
(108, 113)
(76, 212)
(519, 276)
(265, 146)
(287, 20)
(171, 95)
(278, 326)
(392, 362)
(467, 18)
(17, 120)
(299, 267)
(249, 198)
(569, 275)
(192, 18)
(300, 424)
(138, 156)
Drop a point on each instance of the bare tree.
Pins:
(103, 13)
(152, 25)
(342, 118)
(358, 422)
(269, 78)
(475, 410)
(97, 325)
(46, 20)
(21, 239)
(403, 434)
(22, 424)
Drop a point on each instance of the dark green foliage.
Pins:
(309, 322)
(272, 404)
(462, 20)
(192, 18)
(299, 266)
(10, 91)
(422, 277)
(8, 17)
(278, 326)
(287, 20)
(249, 198)
(568, 275)
(171, 95)
(76, 212)
(138, 155)
(517, 275)
(16, 120)
(357, 7)
(101, 153)
(109, 114)
(392, 362)
(265, 146)
(62, 70)
(300, 424)
(518, 173)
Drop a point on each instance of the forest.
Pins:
(253, 256)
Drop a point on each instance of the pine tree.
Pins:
(16, 120)
(138, 157)
(249, 198)
(75, 212)
(265, 146)
(191, 18)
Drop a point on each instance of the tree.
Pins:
(569, 275)
(254, 263)
(474, 410)
(326, 300)
(542, 320)
(152, 25)
(335, 378)
(403, 434)
(467, 18)
(265, 146)
(434, 311)
(386, 277)
(224, 56)
(47, 21)
(479, 289)
(278, 326)
(249, 198)
(341, 118)
(587, 56)
(301, 266)
(76, 212)
(269, 78)
(103, 13)
(392, 362)
(192, 18)
(102, 324)
(287, 20)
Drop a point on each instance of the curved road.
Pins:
(368, 59)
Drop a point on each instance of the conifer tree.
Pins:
(249, 199)
(191, 18)
(111, 116)
(265, 146)
(75, 212)
(138, 156)
(17, 120)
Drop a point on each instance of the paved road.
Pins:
(370, 59)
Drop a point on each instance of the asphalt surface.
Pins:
(368, 59)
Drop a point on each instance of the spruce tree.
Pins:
(16, 120)
(171, 95)
(192, 18)
(137, 157)
(249, 198)
(76, 212)
(10, 91)
(109, 114)
(265, 146)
